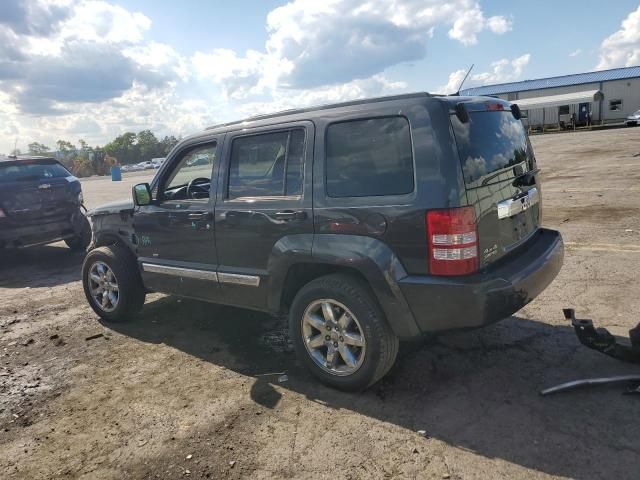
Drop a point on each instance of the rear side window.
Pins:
(269, 164)
(31, 170)
(369, 157)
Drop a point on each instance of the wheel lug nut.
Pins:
(327, 338)
(335, 344)
(342, 339)
(328, 328)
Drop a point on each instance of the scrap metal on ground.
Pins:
(603, 341)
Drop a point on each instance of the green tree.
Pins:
(123, 148)
(36, 148)
(148, 145)
(167, 143)
(65, 147)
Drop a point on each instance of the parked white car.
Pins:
(157, 162)
(633, 119)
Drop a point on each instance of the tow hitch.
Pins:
(602, 341)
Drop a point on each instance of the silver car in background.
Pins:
(633, 119)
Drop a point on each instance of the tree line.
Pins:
(84, 160)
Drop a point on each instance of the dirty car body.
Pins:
(431, 205)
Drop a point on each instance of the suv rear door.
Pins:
(499, 172)
(264, 206)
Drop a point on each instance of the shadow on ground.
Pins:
(44, 266)
(476, 390)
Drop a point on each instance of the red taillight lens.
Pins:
(453, 241)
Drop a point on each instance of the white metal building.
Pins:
(608, 95)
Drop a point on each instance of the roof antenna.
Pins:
(464, 80)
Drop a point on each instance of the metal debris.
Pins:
(601, 340)
(93, 337)
(589, 382)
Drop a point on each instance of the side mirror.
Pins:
(141, 194)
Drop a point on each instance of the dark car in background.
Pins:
(40, 202)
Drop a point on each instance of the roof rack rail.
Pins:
(321, 107)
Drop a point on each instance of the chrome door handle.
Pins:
(291, 215)
(201, 216)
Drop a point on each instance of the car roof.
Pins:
(311, 113)
(317, 108)
(13, 158)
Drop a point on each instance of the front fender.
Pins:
(112, 228)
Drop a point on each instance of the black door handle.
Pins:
(201, 216)
(291, 215)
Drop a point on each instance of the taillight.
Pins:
(453, 241)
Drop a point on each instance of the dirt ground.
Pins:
(192, 390)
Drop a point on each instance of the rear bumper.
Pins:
(440, 303)
(16, 236)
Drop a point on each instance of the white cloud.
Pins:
(503, 70)
(312, 44)
(94, 21)
(622, 48)
(285, 99)
(576, 52)
(455, 79)
(85, 68)
(499, 25)
(471, 22)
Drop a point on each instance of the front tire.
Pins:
(340, 333)
(112, 283)
(81, 241)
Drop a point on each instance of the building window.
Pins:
(524, 113)
(615, 105)
(563, 110)
(512, 96)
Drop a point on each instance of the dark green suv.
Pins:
(366, 222)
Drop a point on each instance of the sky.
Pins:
(93, 69)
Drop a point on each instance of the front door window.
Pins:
(191, 178)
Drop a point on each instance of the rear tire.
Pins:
(81, 241)
(112, 283)
(372, 346)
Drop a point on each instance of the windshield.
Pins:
(31, 170)
(490, 144)
(636, 113)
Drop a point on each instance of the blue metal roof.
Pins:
(563, 81)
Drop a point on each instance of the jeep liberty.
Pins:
(367, 222)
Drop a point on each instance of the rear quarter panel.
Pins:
(398, 221)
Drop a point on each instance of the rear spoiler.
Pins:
(462, 111)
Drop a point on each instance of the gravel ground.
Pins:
(193, 390)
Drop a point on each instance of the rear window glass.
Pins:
(490, 144)
(30, 170)
(369, 158)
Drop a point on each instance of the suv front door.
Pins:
(264, 207)
(176, 245)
